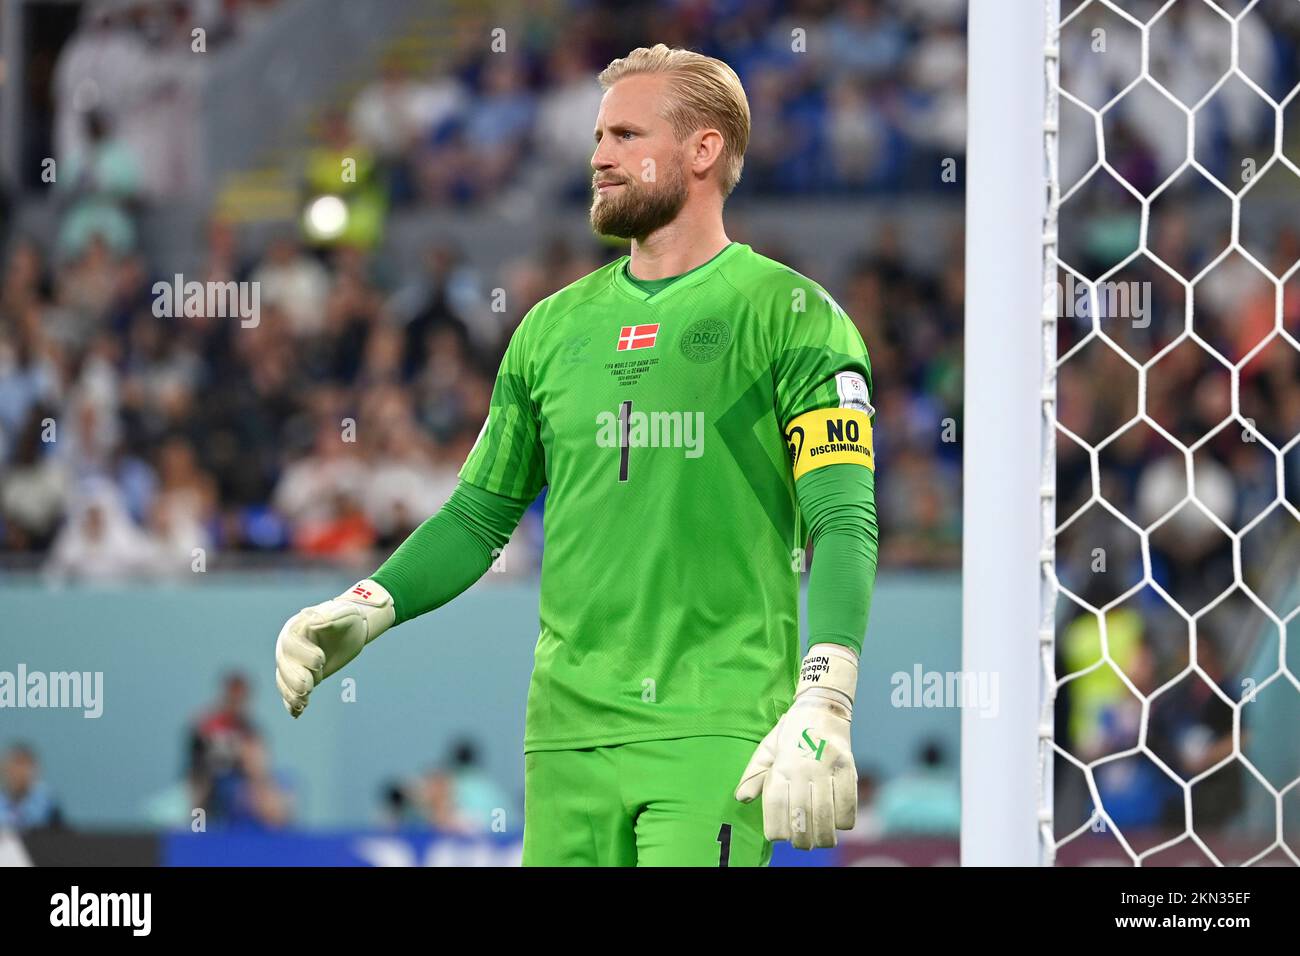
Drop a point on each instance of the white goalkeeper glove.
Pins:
(320, 639)
(804, 767)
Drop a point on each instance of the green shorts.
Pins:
(651, 803)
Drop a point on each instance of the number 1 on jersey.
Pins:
(624, 446)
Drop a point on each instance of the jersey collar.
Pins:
(687, 280)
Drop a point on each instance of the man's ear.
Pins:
(705, 151)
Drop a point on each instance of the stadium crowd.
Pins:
(856, 97)
(129, 440)
(338, 422)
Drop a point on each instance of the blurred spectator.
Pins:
(1134, 791)
(95, 72)
(866, 37)
(497, 130)
(571, 98)
(26, 801)
(480, 801)
(925, 801)
(134, 64)
(384, 115)
(260, 797)
(182, 506)
(100, 543)
(311, 488)
(344, 532)
(407, 483)
(444, 293)
(936, 117)
(436, 797)
(99, 187)
(397, 809)
(217, 747)
(345, 168)
(457, 797)
(1204, 739)
(297, 284)
(33, 489)
(856, 134)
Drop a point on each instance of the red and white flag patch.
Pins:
(637, 337)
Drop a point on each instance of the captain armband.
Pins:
(830, 436)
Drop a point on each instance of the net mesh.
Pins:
(1170, 722)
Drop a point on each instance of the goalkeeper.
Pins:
(697, 412)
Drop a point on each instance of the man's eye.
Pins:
(626, 134)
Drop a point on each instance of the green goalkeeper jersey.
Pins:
(669, 429)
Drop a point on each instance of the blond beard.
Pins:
(641, 209)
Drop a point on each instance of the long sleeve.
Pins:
(450, 550)
(839, 504)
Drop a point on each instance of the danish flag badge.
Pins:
(362, 592)
(637, 337)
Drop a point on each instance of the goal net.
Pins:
(1170, 705)
(1131, 470)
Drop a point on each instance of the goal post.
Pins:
(1008, 431)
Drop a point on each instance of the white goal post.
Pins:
(1007, 430)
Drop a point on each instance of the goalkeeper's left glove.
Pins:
(804, 766)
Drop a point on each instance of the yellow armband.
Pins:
(829, 436)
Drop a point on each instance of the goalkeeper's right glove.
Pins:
(320, 639)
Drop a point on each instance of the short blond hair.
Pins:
(703, 93)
